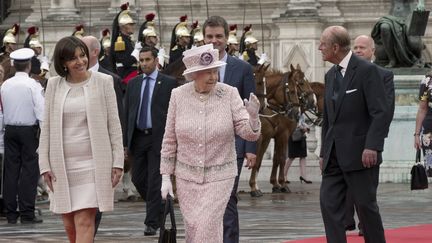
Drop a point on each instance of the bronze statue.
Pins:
(394, 47)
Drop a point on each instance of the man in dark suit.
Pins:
(146, 106)
(94, 47)
(353, 132)
(239, 74)
(364, 47)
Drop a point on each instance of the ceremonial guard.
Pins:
(23, 106)
(79, 31)
(180, 40)
(197, 35)
(251, 45)
(122, 45)
(39, 62)
(8, 46)
(232, 43)
(105, 59)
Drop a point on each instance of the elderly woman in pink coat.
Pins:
(198, 147)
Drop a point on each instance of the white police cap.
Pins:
(22, 55)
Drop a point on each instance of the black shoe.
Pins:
(304, 180)
(34, 220)
(12, 221)
(149, 230)
(350, 227)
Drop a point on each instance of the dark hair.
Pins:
(216, 21)
(65, 50)
(21, 66)
(153, 50)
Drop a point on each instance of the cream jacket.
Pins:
(105, 136)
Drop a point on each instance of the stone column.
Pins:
(63, 10)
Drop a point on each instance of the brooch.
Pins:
(220, 92)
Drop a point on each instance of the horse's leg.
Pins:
(261, 148)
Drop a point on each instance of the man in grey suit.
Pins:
(364, 47)
(355, 122)
(239, 74)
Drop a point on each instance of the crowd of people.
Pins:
(111, 107)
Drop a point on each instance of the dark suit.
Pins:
(119, 97)
(355, 121)
(390, 97)
(237, 74)
(145, 147)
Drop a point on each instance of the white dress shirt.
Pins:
(22, 100)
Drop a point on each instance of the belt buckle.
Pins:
(146, 131)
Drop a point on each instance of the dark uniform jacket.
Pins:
(125, 63)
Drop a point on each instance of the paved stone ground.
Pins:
(271, 218)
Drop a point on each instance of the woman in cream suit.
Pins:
(81, 140)
(199, 143)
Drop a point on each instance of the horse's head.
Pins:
(261, 92)
(292, 102)
(305, 93)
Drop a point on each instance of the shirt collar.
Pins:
(22, 74)
(95, 67)
(345, 61)
(225, 57)
(152, 75)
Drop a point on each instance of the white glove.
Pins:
(263, 59)
(252, 106)
(135, 52)
(161, 56)
(166, 187)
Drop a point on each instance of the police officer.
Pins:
(122, 45)
(105, 59)
(23, 106)
(39, 63)
(251, 45)
(197, 35)
(232, 43)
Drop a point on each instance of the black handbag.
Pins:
(168, 235)
(419, 180)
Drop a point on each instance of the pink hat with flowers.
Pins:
(201, 58)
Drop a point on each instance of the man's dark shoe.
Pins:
(12, 221)
(34, 220)
(149, 230)
(350, 227)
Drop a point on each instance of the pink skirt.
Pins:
(203, 207)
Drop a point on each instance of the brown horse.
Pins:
(176, 70)
(280, 109)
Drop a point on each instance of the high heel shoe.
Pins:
(304, 180)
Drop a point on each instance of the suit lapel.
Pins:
(349, 75)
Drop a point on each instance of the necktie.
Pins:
(337, 82)
(142, 122)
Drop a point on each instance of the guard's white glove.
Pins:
(252, 107)
(161, 56)
(263, 58)
(166, 187)
(137, 49)
(44, 62)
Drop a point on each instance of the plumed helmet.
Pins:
(10, 35)
(124, 17)
(232, 36)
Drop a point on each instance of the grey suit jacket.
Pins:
(358, 119)
(239, 74)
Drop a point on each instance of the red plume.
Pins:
(124, 6)
(32, 30)
(105, 32)
(79, 27)
(150, 17)
(247, 28)
(17, 28)
(233, 27)
(183, 18)
(194, 25)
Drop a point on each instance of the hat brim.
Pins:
(202, 67)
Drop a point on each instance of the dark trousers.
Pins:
(350, 210)
(98, 219)
(334, 186)
(21, 171)
(231, 231)
(146, 176)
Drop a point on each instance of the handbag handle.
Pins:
(169, 209)
(418, 156)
